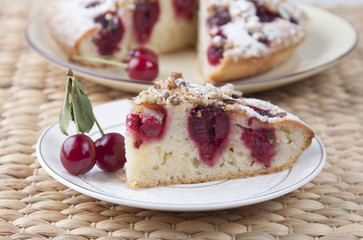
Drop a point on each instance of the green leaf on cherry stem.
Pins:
(77, 107)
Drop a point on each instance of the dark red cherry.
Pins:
(265, 14)
(262, 144)
(110, 152)
(215, 54)
(184, 8)
(143, 67)
(220, 17)
(111, 33)
(145, 15)
(209, 128)
(78, 154)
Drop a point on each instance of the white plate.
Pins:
(185, 197)
(329, 40)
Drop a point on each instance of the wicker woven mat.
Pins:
(35, 206)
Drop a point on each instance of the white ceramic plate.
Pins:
(185, 197)
(329, 40)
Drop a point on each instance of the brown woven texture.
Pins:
(35, 206)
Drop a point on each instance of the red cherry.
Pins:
(262, 144)
(143, 67)
(146, 126)
(141, 51)
(78, 154)
(110, 152)
(215, 54)
(209, 128)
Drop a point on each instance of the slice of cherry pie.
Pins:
(183, 133)
(113, 27)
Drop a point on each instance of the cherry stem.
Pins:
(99, 127)
(102, 60)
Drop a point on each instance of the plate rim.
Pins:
(137, 85)
(261, 197)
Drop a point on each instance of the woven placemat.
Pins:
(35, 206)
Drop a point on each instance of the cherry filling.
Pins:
(294, 21)
(262, 112)
(147, 125)
(215, 54)
(184, 9)
(111, 33)
(220, 17)
(266, 15)
(145, 15)
(264, 41)
(208, 127)
(262, 144)
(219, 32)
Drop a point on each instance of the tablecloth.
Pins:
(35, 206)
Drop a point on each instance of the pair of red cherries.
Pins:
(79, 153)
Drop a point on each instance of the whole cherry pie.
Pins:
(234, 38)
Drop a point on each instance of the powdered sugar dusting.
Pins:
(69, 20)
(239, 42)
(245, 32)
(278, 113)
(76, 18)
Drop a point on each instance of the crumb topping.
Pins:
(176, 90)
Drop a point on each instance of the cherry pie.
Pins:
(236, 38)
(183, 133)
